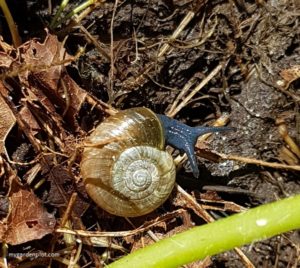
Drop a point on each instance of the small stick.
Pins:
(196, 90)
(259, 162)
(138, 230)
(198, 209)
(188, 17)
(69, 209)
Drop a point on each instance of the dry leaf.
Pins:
(51, 84)
(75, 96)
(27, 219)
(61, 189)
(291, 74)
(28, 117)
(5, 60)
(44, 59)
(7, 121)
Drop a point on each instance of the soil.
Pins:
(255, 45)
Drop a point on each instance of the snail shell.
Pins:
(126, 171)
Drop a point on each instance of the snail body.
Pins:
(125, 168)
(132, 175)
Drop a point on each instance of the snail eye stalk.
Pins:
(184, 137)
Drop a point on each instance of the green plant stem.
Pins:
(11, 24)
(62, 6)
(255, 224)
(79, 8)
(55, 22)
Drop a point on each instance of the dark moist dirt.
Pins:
(255, 40)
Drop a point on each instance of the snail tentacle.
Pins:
(184, 137)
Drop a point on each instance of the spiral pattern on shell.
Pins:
(125, 168)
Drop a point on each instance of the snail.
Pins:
(125, 168)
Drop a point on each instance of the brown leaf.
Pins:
(5, 60)
(27, 219)
(46, 57)
(61, 189)
(60, 182)
(51, 84)
(291, 74)
(6, 47)
(7, 121)
(28, 117)
(41, 80)
(4, 205)
(74, 96)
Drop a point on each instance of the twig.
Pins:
(179, 97)
(259, 162)
(197, 207)
(188, 17)
(140, 80)
(95, 42)
(69, 209)
(111, 73)
(121, 233)
(196, 90)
